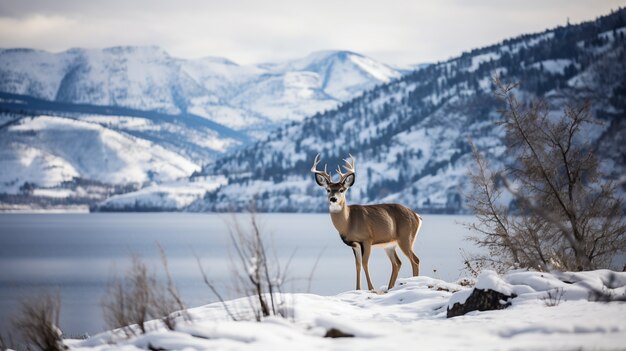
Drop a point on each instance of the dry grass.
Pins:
(131, 302)
(553, 297)
(37, 323)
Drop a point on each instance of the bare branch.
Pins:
(211, 286)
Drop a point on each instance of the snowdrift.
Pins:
(552, 311)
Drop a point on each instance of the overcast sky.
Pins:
(399, 32)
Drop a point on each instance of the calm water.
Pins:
(78, 254)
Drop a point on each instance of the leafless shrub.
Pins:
(140, 297)
(566, 217)
(128, 302)
(258, 276)
(38, 322)
(553, 297)
(475, 263)
(256, 271)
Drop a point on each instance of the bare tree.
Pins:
(38, 323)
(567, 216)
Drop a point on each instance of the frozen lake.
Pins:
(78, 254)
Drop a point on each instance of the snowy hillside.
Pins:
(410, 136)
(148, 78)
(412, 313)
(52, 157)
(192, 136)
(72, 148)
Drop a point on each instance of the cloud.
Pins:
(249, 31)
(34, 30)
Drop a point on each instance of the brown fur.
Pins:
(364, 226)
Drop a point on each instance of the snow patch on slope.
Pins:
(553, 66)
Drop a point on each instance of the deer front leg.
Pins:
(358, 260)
(367, 249)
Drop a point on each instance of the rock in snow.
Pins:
(490, 293)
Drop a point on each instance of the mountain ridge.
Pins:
(410, 136)
(148, 78)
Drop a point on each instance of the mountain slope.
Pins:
(410, 136)
(194, 137)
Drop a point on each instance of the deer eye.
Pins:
(328, 191)
(341, 191)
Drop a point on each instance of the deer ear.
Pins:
(349, 181)
(321, 181)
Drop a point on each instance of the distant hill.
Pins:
(410, 136)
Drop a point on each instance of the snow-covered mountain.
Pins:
(171, 113)
(410, 136)
(256, 97)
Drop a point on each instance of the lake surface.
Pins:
(79, 254)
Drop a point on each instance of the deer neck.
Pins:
(340, 219)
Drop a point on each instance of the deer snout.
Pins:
(333, 199)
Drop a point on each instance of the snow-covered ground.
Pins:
(411, 315)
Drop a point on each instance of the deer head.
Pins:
(336, 191)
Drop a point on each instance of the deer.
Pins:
(365, 226)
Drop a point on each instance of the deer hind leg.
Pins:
(407, 248)
(395, 264)
(358, 260)
(367, 249)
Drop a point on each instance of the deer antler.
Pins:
(349, 166)
(314, 169)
